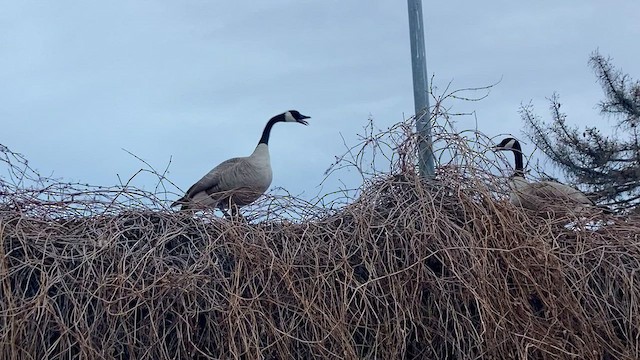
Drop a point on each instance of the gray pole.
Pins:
(420, 89)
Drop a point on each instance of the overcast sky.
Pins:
(196, 81)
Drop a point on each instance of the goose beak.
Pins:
(302, 121)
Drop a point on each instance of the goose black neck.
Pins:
(267, 130)
(517, 153)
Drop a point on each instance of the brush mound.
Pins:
(405, 269)
(410, 270)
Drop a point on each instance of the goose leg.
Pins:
(235, 212)
(231, 211)
(225, 211)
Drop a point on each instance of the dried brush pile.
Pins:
(409, 270)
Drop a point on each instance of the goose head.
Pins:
(287, 116)
(513, 145)
(508, 144)
(294, 116)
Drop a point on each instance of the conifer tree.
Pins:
(607, 166)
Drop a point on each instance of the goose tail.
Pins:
(183, 202)
(605, 209)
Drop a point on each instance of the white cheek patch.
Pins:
(510, 144)
(288, 117)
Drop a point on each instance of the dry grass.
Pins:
(410, 269)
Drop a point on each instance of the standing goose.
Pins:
(542, 194)
(238, 181)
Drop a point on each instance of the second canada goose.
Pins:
(238, 181)
(541, 194)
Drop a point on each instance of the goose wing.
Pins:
(210, 182)
(557, 191)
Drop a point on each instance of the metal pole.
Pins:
(420, 89)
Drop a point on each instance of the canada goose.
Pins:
(238, 181)
(542, 194)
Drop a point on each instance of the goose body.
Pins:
(541, 194)
(238, 181)
(536, 195)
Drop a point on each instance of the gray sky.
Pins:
(197, 80)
